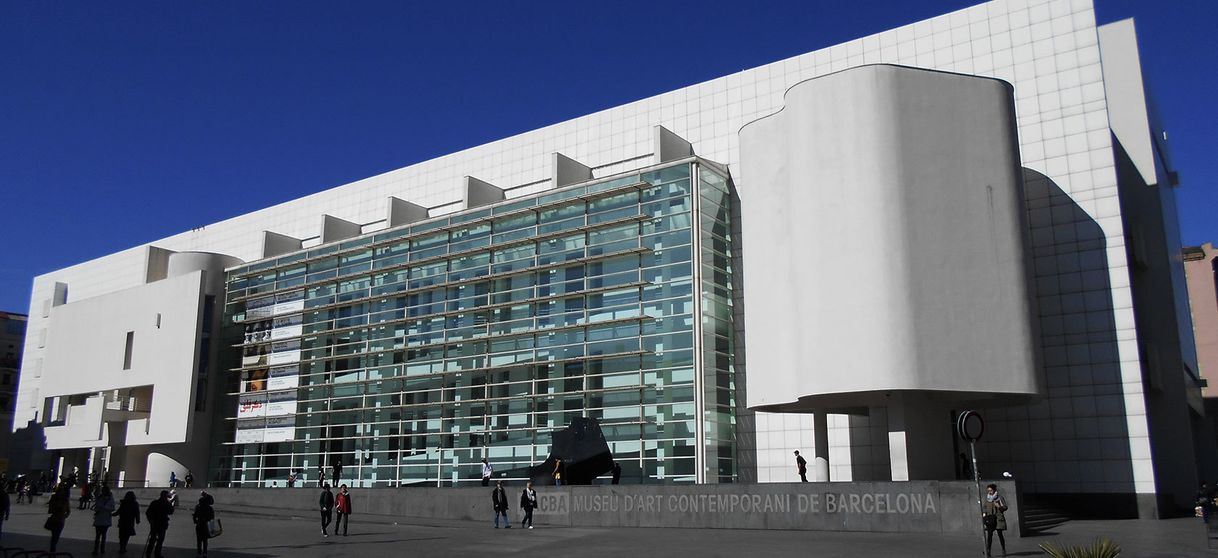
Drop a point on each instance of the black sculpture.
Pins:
(584, 453)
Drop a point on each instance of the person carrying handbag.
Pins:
(203, 515)
(993, 518)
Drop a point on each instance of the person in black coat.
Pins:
(4, 508)
(528, 501)
(128, 513)
(617, 472)
(158, 513)
(327, 508)
(202, 515)
(500, 501)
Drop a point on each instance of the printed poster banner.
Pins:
(280, 429)
(281, 403)
(284, 327)
(285, 377)
(285, 352)
(286, 303)
(259, 308)
(251, 406)
(250, 431)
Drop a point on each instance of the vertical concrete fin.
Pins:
(670, 147)
(402, 212)
(565, 171)
(479, 193)
(274, 244)
(156, 263)
(334, 229)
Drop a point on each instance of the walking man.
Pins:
(327, 505)
(342, 504)
(336, 466)
(802, 465)
(158, 513)
(500, 501)
(528, 501)
(487, 471)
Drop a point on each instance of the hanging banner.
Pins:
(254, 380)
(259, 308)
(286, 303)
(284, 377)
(285, 352)
(251, 406)
(284, 327)
(280, 429)
(250, 431)
(281, 403)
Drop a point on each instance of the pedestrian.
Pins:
(202, 515)
(342, 505)
(190, 480)
(801, 465)
(327, 505)
(59, 507)
(528, 501)
(173, 479)
(993, 518)
(85, 494)
(292, 478)
(500, 502)
(336, 466)
(558, 467)
(128, 516)
(23, 490)
(103, 509)
(1205, 501)
(321, 475)
(4, 509)
(158, 513)
(487, 471)
(617, 472)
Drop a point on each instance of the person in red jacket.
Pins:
(342, 505)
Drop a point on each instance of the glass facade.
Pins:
(413, 352)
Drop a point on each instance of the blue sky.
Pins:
(122, 123)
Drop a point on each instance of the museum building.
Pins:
(834, 253)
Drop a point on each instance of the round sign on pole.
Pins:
(970, 426)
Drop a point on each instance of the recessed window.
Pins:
(127, 350)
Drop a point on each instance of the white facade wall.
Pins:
(1048, 49)
(87, 342)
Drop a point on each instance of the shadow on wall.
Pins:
(1071, 449)
(26, 451)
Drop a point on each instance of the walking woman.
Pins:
(342, 505)
(128, 516)
(103, 510)
(993, 518)
(203, 514)
(59, 507)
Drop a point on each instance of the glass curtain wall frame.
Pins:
(420, 350)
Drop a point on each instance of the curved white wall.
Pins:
(884, 243)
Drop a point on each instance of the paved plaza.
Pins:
(259, 532)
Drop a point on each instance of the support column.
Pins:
(919, 438)
(820, 432)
